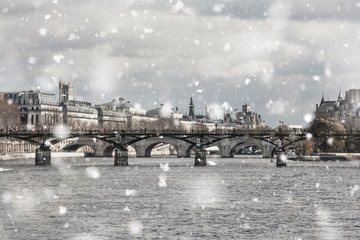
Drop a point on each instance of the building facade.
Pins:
(111, 115)
(345, 109)
(66, 92)
(80, 115)
(248, 119)
(37, 108)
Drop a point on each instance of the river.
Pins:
(168, 198)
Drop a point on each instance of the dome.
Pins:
(163, 111)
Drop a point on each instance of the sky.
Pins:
(279, 56)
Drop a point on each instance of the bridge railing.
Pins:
(243, 132)
(139, 132)
(190, 132)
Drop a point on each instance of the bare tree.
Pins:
(9, 114)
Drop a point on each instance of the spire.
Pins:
(191, 108)
(339, 97)
(322, 98)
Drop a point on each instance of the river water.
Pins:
(168, 198)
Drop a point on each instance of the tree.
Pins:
(308, 147)
(9, 114)
(322, 130)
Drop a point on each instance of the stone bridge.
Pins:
(143, 148)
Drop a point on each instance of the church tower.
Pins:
(65, 92)
(191, 109)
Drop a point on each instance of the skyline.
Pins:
(278, 56)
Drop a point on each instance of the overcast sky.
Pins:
(277, 56)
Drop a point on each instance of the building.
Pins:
(325, 109)
(344, 109)
(193, 117)
(121, 105)
(120, 114)
(248, 119)
(37, 109)
(191, 109)
(164, 111)
(65, 92)
(112, 115)
(80, 115)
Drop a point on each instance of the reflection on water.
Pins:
(243, 198)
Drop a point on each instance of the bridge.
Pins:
(116, 142)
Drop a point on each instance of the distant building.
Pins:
(248, 119)
(80, 115)
(195, 117)
(191, 109)
(37, 108)
(113, 115)
(65, 92)
(164, 112)
(344, 109)
(325, 109)
(121, 105)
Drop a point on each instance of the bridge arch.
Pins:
(235, 149)
(92, 146)
(149, 150)
(227, 146)
(74, 147)
(144, 147)
(109, 150)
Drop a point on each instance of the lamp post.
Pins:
(280, 153)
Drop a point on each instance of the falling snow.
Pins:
(280, 57)
(162, 181)
(62, 210)
(93, 172)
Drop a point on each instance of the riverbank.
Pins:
(330, 157)
(13, 156)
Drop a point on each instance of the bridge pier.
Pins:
(200, 157)
(225, 149)
(42, 156)
(226, 152)
(266, 150)
(121, 157)
(183, 150)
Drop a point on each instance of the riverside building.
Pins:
(37, 108)
(344, 109)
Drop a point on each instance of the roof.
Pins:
(119, 103)
(327, 105)
(163, 111)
